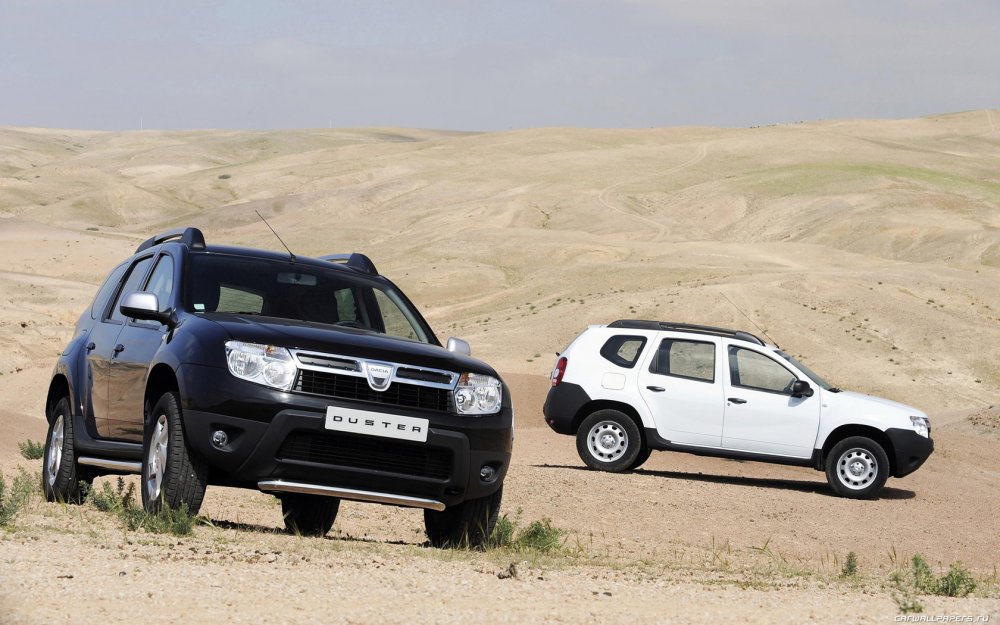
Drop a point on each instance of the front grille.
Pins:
(360, 452)
(357, 389)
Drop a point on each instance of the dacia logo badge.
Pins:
(379, 375)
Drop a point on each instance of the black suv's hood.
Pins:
(346, 342)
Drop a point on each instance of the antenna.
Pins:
(276, 236)
(762, 331)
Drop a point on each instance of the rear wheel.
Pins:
(309, 515)
(61, 475)
(609, 440)
(857, 467)
(468, 524)
(172, 475)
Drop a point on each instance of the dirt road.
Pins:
(682, 539)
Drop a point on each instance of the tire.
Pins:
(309, 515)
(468, 524)
(61, 475)
(172, 475)
(857, 467)
(641, 458)
(609, 440)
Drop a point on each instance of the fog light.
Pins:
(220, 439)
(487, 473)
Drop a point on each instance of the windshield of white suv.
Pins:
(221, 283)
(823, 384)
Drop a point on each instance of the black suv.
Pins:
(314, 379)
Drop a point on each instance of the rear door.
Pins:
(96, 363)
(683, 388)
(761, 416)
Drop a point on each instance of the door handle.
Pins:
(656, 389)
(737, 400)
(91, 346)
(119, 348)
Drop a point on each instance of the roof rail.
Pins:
(354, 260)
(637, 324)
(192, 237)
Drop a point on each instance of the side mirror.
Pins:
(144, 306)
(801, 388)
(459, 346)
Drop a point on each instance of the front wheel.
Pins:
(640, 459)
(309, 515)
(61, 475)
(857, 467)
(172, 475)
(468, 524)
(609, 440)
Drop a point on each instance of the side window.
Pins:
(751, 369)
(347, 307)
(107, 290)
(395, 322)
(131, 285)
(161, 282)
(623, 350)
(694, 360)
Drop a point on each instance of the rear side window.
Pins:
(623, 350)
(107, 290)
(694, 360)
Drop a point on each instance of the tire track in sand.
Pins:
(661, 230)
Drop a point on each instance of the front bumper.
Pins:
(910, 450)
(282, 436)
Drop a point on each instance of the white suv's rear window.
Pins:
(623, 350)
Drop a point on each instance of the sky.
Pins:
(477, 65)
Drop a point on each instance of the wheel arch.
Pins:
(58, 388)
(162, 379)
(608, 404)
(854, 429)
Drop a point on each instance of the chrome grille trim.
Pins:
(340, 365)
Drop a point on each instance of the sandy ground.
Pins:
(869, 248)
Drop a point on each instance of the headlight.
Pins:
(263, 364)
(477, 394)
(921, 425)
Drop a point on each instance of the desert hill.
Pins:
(871, 248)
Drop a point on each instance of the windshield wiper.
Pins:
(834, 389)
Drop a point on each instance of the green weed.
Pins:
(14, 500)
(120, 501)
(957, 582)
(538, 537)
(31, 450)
(850, 568)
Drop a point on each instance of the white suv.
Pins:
(630, 387)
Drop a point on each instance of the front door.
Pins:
(137, 345)
(683, 390)
(761, 414)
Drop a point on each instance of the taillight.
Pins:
(559, 371)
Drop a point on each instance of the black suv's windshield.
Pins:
(823, 384)
(221, 283)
